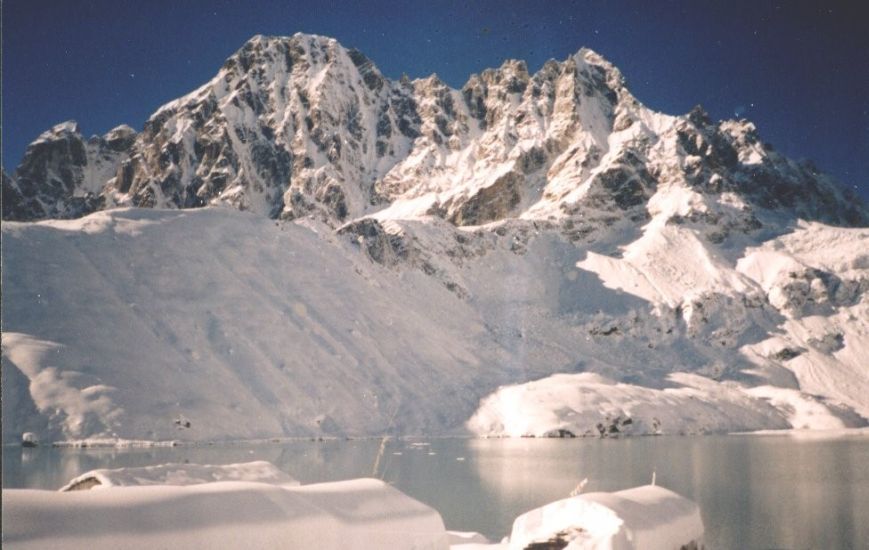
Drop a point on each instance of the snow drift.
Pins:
(360, 514)
(179, 474)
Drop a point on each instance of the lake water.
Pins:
(754, 491)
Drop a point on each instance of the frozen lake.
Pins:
(754, 491)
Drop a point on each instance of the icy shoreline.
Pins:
(550, 434)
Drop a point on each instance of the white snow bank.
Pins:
(648, 517)
(589, 404)
(356, 514)
(841, 250)
(813, 435)
(667, 265)
(467, 540)
(466, 537)
(180, 474)
(84, 400)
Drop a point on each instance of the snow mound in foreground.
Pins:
(355, 514)
(180, 474)
(254, 505)
(645, 517)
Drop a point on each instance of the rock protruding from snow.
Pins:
(642, 518)
(179, 474)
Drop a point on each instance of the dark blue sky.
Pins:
(799, 70)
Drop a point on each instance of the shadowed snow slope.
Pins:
(126, 321)
(214, 323)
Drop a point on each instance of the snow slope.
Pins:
(123, 322)
(792, 312)
(212, 324)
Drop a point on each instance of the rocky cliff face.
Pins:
(63, 175)
(299, 126)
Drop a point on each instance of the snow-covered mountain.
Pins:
(408, 249)
(290, 126)
(62, 175)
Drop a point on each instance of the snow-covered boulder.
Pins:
(648, 517)
(356, 514)
(179, 474)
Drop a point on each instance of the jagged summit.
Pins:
(63, 175)
(299, 126)
(58, 130)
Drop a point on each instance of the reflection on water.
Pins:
(754, 491)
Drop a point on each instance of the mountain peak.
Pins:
(518, 66)
(58, 131)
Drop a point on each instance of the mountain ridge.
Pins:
(296, 125)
